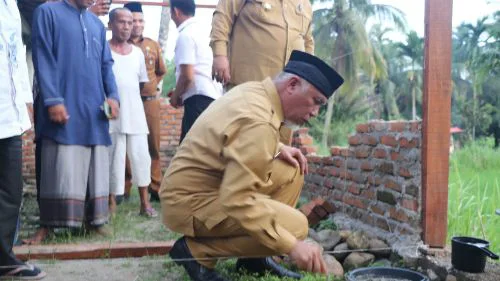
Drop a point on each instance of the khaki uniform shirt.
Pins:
(155, 65)
(259, 40)
(222, 168)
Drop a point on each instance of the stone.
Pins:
(313, 234)
(328, 239)
(379, 248)
(355, 260)
(432, 275)
(333, 267)
(450, 277)
(341, 251)
(358, 241)
(344, 234)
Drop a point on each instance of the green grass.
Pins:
(474, 193)
(126, 226)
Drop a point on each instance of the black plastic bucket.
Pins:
(366, 273)
(469, 254)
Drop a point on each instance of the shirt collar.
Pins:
(272, 93)
(186, 23)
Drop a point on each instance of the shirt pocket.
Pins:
(299, 20)
(266, 11)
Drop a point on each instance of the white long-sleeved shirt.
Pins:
(15, 90)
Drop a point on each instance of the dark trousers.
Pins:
(193, 107)
(11, 191)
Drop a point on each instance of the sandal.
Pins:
(24, 272)
(148, 212)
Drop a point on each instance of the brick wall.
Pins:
(376, 179)
(171, 119)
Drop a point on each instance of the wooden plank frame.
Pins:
(436, 121)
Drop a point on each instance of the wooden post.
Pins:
(436, 120)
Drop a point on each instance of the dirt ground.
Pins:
(128, 269)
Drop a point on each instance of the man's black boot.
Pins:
(182, 256)
(263, 265)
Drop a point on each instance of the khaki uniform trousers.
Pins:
(153, 118)
(228, 239)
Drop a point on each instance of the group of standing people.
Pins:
(234, 181)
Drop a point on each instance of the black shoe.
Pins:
(263, 265)
(182, 256)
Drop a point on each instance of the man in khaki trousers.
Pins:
(232, 186)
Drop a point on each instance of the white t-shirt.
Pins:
(129, 71)
(193, 48)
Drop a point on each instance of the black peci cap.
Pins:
(134, 7)
(315, 71)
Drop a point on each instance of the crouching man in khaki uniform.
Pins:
(232, 186)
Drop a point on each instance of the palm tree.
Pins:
(343, 41)
(413, 51)
(469, 51)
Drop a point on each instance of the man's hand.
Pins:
(115, 108)
(58, 114)
(295, 157)
(175, 100)
(100, 8)
(308, 257)
(220, 69)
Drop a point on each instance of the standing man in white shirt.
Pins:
(15, 95)
(193, 58)
(129, 133)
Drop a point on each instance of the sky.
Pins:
(463, 11)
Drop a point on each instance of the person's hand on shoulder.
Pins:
(220, 69)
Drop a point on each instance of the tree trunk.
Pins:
(328, 121)
(413, 103)
(163, 34)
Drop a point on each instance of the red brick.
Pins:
(378, 126)
(389, 140)
(313, 159)
(338, 162)
(354, 189)
(397, 126)
(354, 140)
(386, 167)
(368, 194)
(410, 204)
(334, 172)
(328, 183)
(374, 180)
(369, 140)
(303, 140)
(335, 150)
(306, 150)
(394, 156)
(398, 214)
(405, 173)
(408, 143)
(362, 128)
(377, 210)
(353, 201)
(366, 165)
(380, 153)
(382, 224)
(389, 183)
(415, 126)
(345, 175)
(362, 152)
(327, 160)
(344, 152)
